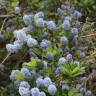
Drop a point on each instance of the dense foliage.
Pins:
(47, 50)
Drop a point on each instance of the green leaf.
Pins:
(20, 76)
(65, 71)
(78, 94)
(35, 1)
(48, 71)
(64, 94)
(94, 7)
(33, 63)
(36, 21)
(37, 51)
(49, 49)
(72, 92)
(76, 70)
(71, 70)
(27, 65)
(75, 75)
(67, 81)
(30, 65)
(54, 52)
(15, 3)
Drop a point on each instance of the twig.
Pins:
(88, 35)
(87, 57)
(5, 58)
(3, 25)
(7, 16)
(93, 54)
(84, 83)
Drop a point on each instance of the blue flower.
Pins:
(50, 56)
(32, 42)
(52, 89)
(64, 41)
(25, 94)
(62, 61)
(27, 19)
(88, 93)
(44, 34)
(24, 91)
(13, 48)
(26, 73)
(71, 10)
(77, 23)
(42, 94)
(45, 43)
(51, 25)
(66, 25)
(40, 82)
(77, 14)
(69, 57)
(26, 29)
(74, 31)
(40, 22)
(47, 81)
(63, 7)
(24, 84)
(82, 54)
(68, 18)
(57, 71)
(82, 90)
(18, 44)
(17, 10)
(60, 12)
(82, 79)
(20, 35)
(35, 91)
(39, 15)
(65, 49)
(65, 87)
(78, 86)
(77, 63)
(13, 74)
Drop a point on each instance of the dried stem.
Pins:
(88, 78)
(5, 58)
(92, 55)
(3, 25)
(7, 16)
(88, 35)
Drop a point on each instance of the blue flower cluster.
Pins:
(55, 49)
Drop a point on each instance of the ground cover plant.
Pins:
(46, 52)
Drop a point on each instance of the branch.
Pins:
(5, 58)
(7, 16)
(3, 25)
(88, 35)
